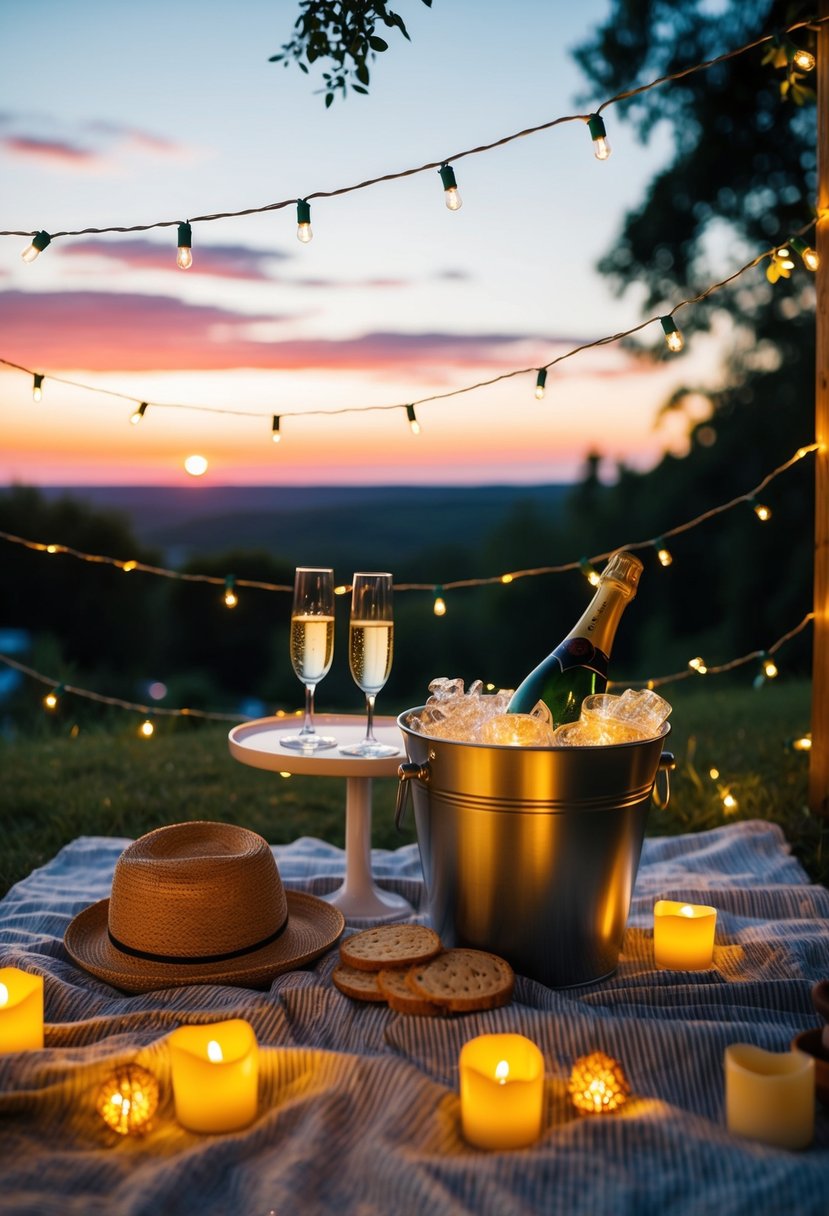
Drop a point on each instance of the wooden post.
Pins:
(819, 756)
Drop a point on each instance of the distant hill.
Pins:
(342, 526)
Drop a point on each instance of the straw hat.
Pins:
(199, 903)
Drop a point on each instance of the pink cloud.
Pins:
(50, 151)
(219, 261)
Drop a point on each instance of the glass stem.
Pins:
(308, 724)
(370, 718)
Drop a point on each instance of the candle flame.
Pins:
(4, 995)
(214, 1052)
(685, 910)
(501, 1071)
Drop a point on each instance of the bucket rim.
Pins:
(586, 749)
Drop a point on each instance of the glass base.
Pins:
(370, 748)
(309, 742)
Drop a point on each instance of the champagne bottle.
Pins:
(578, 665)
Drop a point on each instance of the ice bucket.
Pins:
(531, 852)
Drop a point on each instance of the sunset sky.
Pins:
(125, 115)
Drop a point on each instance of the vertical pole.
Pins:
(819, 756)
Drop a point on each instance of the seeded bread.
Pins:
(400, 997)
(359, 985)
(463, 980)
(388, 947)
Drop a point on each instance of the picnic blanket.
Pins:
(359, 1107)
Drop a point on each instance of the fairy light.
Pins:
(803, 743)
(673, 338)
(52, 698)
(412, 417)
(540, 383)
(439, 605)
(304, 231)
(184, 257)
(760, 509)
(768, 670)
(230, 597)
(805, 252)
(698, 665)
(136, 417)
(803, 59)
(39, 242)
(342, 589)
(729, 802)
(146, 730)
(128, 1099)
(276, 435)
(506, 579)
(37, 386)
(780, 264)
(597, 1084)
(598, 133)
(129, 566)
(590, 573)
(450, 186)
(663, 553)
(714, 773)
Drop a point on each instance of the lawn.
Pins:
(104, 780)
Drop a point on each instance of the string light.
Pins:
(780, 265)
(598, 133)
(39, 242)
(276, 435)
(729, 802)
(803, 743)
(662, 552)
(803, 59)
(304, 231)
(37, 386)
(590, 573)
(450, 186)
(540, 383)
(230, 597)
(768, 670)
(184, 257)
(146, 730)
(412, 417)
(52, 698)
(760, 509)
(805, 252)
(439, 605)
(138, 414)
(698, 664)
(673, 338)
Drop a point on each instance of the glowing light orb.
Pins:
(128, 1100)
(597, 1084)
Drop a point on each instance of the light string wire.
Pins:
(161, 711)
(457, 392)
(812, 23)
(130, 565)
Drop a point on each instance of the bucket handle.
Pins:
(667, 762)
(408, 771)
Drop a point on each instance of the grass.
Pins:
(104, 781)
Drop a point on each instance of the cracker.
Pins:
(359, 985)
(464, 980)
(387, 947)
(400, 997)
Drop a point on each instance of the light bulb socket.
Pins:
(37, 381)
(541, 378)
(185, 236)
(669, 325)
(275, 424)
(447, 176)
(596, 127)
(142, 409)
(410, 413)
(303, 211)
(40, 240)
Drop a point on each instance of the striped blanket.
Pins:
(359, 1108)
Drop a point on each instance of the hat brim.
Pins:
(313, 927)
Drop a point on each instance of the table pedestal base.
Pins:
(359, 896)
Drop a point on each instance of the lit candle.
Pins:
(683, 935)
(215, 1075)
(502, 1091)
(21, 1010)
(770, 1095)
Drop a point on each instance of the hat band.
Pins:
(200, 958)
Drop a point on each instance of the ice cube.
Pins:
(450, 713)
(641, 708)
(596, 732)
(517, 730)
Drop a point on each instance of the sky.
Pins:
(116, 115)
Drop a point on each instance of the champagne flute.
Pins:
(370, 651)
(312, 647)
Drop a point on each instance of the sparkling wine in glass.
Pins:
(370, 651)
(312, 647)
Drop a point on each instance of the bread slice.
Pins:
(359, 985)
(389, 947)
(464, 980)
(400, 997)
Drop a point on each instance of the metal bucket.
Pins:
(531, 852)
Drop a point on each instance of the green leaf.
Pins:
(329, 97)
(377, 44)
(361, 72)
(359, 89)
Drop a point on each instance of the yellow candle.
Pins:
(215, 1075)
(770, 1095)
(683, 935)
(502, 1091)
(21, 1010)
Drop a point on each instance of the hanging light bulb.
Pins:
(589, 573)
(760, 509)
(780, 264)
(412, 417)
(540, 383)
(39, 242)
(450, 186)
(598, 133)
(698, 664)
(662, 552)
(803, 59)
(304, 232)
(769, 667)
(52, 698)
(275, 433)
(231, 598)
(184, 258)
(136, 417)
(803, 743)
(805, 252)
(37, 386)
(146, 730)
(439, 606)
(673, 338)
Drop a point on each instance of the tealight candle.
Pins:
(683, 935)
(215, 1075)
(770, 1095)
(21, 1010)
(502, 1091)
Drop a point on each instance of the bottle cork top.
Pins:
(625, 568)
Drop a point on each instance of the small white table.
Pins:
(257, 744)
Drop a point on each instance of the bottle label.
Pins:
(580, 652)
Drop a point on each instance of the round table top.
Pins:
(257, 744)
